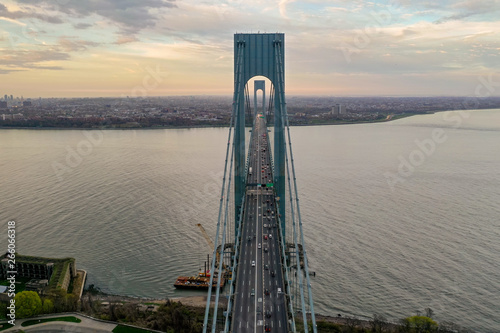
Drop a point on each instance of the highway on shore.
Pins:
(259, 301)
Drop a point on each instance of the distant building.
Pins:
(27, 103)
(338, 109)
(3, 104)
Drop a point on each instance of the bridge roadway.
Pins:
(259, 303)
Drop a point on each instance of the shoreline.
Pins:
(206, 126)
(390, 117)
(201, 301)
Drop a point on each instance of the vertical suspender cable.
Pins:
(223, 242)
(306, 265)
(231, 124)
(225, 223)
(283, 110)
(285, 114)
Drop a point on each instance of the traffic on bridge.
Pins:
(259, 303)
(268, 275)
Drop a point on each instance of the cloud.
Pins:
(449, 10)
(15, 15)
(477, 5)
(68, 44)
(82, 26)
(342, 10)
(130, 15)
(126, 39)
(282, 7)
(23, 60)
(456, 17)
(7, 71)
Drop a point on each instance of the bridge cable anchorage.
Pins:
(306, 266)
(209, 296)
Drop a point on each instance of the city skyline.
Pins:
(66, 48)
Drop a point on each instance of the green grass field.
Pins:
(39, 321)
(126, 329)
(5, 326)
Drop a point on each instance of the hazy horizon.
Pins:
(229, 96)
(67, 48)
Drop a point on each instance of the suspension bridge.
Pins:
(259, 246)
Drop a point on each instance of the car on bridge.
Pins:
(253, 263)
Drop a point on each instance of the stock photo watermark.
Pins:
(151, 80)
(74, 155)
(427, 147)
(364, 37)
(202, 198)
(11, 272)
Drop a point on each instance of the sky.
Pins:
(92, 48)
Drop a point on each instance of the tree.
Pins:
(378, 323)
(48, 306)
(3, 310)
(351, 324)
(28, 304)
(420, 324)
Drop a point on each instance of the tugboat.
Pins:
(200, 282)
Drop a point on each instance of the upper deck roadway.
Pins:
(259, 302)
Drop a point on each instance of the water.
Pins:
(127, 211)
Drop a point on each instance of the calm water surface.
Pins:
(391, 227)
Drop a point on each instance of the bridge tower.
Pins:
(259, 55)
(259, 85)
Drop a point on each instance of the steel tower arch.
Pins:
(257, 55)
